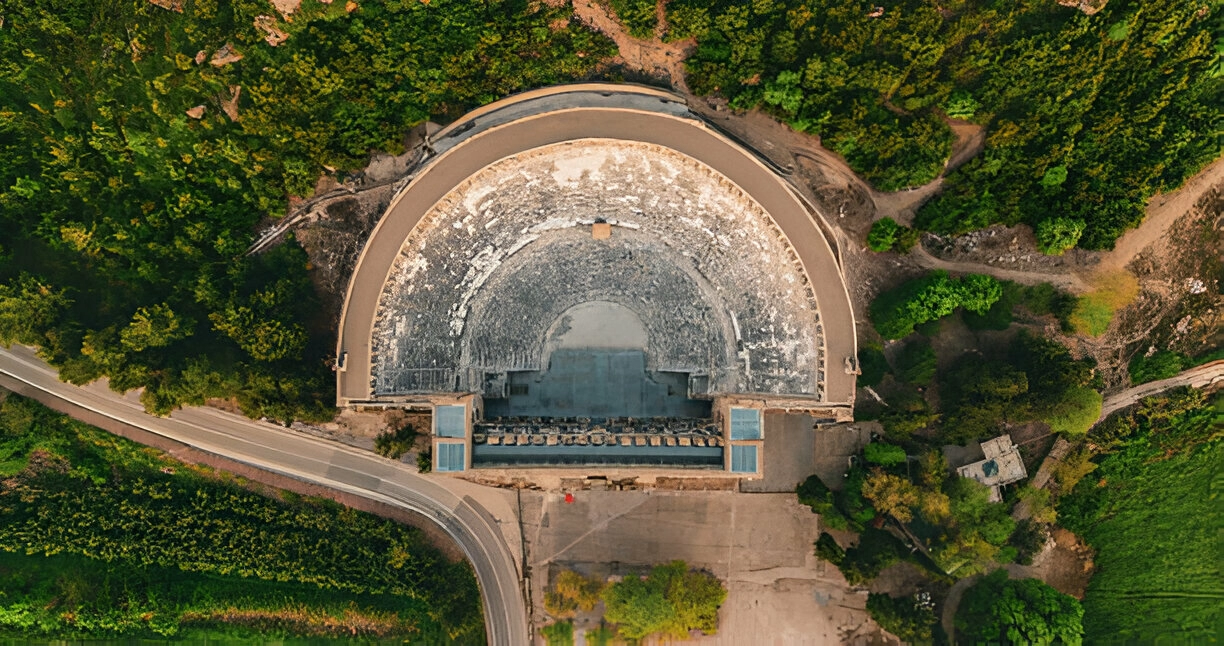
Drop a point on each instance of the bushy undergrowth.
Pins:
(112, 507)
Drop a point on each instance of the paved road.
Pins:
(285, 452)
(1197, 377)
(520, 123)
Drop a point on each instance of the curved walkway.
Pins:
(284, 452)
(551, 116)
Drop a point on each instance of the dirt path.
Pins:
(970, 140)
(948, 618)
(651, 57)
(1162, 211)
(1069, 282)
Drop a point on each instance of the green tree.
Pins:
(883, 234)
(784, 93)
(155, 327)
(28, 309)
(883, 454)
(671, 600)
(1056, 235)
(896, 312)
(1026, 611)
(909, 619)
(917, 363)
(890, 494)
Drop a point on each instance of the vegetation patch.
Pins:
(998, 610)
(142, 147)
(1095, 310)
(896, 312)
(1075, 147)
(1147, 511)
(107, 539)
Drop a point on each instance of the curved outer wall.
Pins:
(555, 115)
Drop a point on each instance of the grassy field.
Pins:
(106, 539)
(1153, 514)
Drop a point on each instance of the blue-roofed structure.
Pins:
(450, 421)
(744, 459)
(745, 424)
(451, 456)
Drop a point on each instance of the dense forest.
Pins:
(104, 538)
(142, 147)
(1086, 116)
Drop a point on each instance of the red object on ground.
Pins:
(569, 498)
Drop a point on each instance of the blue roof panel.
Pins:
(745, 424)
(451, 456)
(450, 421)
(744, 459)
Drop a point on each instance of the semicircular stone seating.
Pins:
(487, 273)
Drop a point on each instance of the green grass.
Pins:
(559, 634)
(1155, 521)
(74, 596)
(1095, 310)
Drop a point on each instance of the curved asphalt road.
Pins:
(335, 466)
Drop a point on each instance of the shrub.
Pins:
(671, 600)
(876, 550)
(1028, 540)
(887, 235)
(907, 239)
(560, 633)
(872, 365)
(1161, 365)
(916, 364)
(1077, 412)
(638, 16)
(425, 461)
(1056, 235)
(910, 619)
(1043, 299)
(883, 235)
(931, 297)
(813, 493)
(828, 549)
(1026, 611)
(884, 454)
(571, 592)
(395, 443)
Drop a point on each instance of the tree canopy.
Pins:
(999, 610)
(1087, 116)
(896, 312)
(671, 600)
(139, 159)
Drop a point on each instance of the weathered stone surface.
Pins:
(272, 34)
(497, 262)
(172, 5)
(230, 106)
(1089, 7)
(287, 7)
(226, 55)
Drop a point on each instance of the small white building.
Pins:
(1002, 466)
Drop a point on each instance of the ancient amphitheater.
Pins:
(591, 275)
